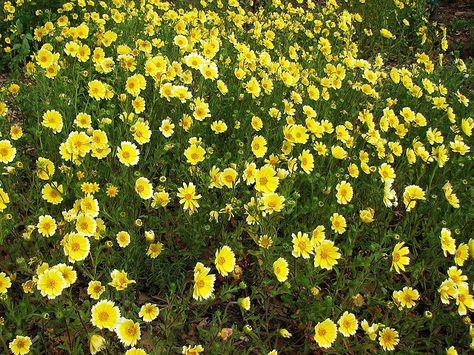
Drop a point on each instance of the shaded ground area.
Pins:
(458, 16)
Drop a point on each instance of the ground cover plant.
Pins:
(234, 177)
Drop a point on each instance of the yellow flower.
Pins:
(399, 257)
(302, 245)
(95, 289)
(253, 87)
(228, 177)
(411, 194)
(89, 205)
(325, 333)
(120, 280)
(105, 315)
(194, 154)
(244, 303)
(407, 297)
(188, 197)
(457, 277)
(128, 153)
(20, 345)
(144, 188)
(367, 215)
(280, 269)
(51, 283)
(266, 179)
(135, 351)
(4, 199)
(338, 223)
(265, 241)
(7, 151)
(461, 254)
(44, 58)
(123, 239)
(447, 290)
(203, 282)
(76, 247)
(448, 243)
(326, 254)
(112, 191)
(348, 324)
(272, 202)
(167, 128)
(16, 132)
(285, 333)
(387, 173)
(371, 331)
(259, 146)
(52, 193)
(135, 84)
(225, 260)
(257, 123)
(192, 350)
(54, 120)
(154, 249)
(149, 312)
(219, 127)
(387, 34)
(388, 338)
(307, 161)
(128, 332)
(464, 300)
(344, 193)
(86, 225)
(46, 225)
(96, 343)
(83, 120)
(5, 283)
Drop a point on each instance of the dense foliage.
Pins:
(234, 178)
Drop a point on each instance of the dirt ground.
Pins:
(458, 16)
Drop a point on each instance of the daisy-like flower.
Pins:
(266, 179)
(399, 257)
(144, 188)
(46, 226)
(20, 345)
(326, 254)
(149, 312)
(95, 289)
(388, 339)
(7, 151)
(5, 283)
(302, 245)
(188, 197)
(128, 153)
(338, 223)
(411, 195)
(105, 315)
(225, 260)
(325, 333)
(76, 247)
(194, 154)
(203, 282)
(348, 324)
(51, 283)
(280, 269)
(344, 193)
(128, 332)
(97, 343)
(406, 297)
(120, 280)
(259, 146)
